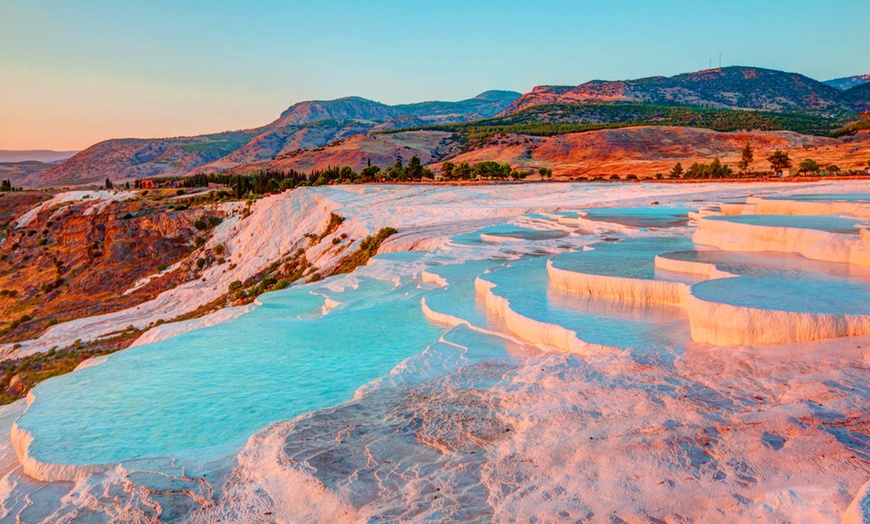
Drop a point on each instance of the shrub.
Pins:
(214, 221)
(235, 285)
(199, 241)
(200, 263)
(200, 224)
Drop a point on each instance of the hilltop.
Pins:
(304, 125)
(724, 88)
(34, 155)
(848, 82)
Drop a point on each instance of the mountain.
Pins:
(302, 126)
(130, 158)
(725, 88)
(848, 82)
(23, 174)
(484, 105)
(859, 97)
(38, 155)
(357, 151)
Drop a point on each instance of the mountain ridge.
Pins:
(304, 125)
(734, 87)
(848, 82)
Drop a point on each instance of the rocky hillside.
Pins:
(848, 82)
(27, 173)
(127, 159)
(357, 151)
(859, 97)
(74, 257)
(727, 88)
(304, 125)
(645, 151)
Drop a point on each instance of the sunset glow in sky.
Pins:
(76, 72)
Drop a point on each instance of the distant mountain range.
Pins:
(756, 98)
(37, 155)
(848, 82)
(305, 125)
(726, 88)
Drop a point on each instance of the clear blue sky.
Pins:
(73, 72)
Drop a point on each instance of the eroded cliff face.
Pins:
(78, 258)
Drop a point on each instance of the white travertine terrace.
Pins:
(783, 206)
(811, 243)
(531, 330)
(722, 323)
(619, 288)
(553, 410)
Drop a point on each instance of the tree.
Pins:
(833, 169)
(746, 158)
(109, 184)
(415, 168)
(808, 165)
(463, 171)
(370, 172)
(677, 170)
(545, 172)
(397, 172)
(718, 169)
(447, 170)
(779, 161)
(6, 185)
(346, 173)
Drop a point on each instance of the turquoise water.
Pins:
(525, 284)
(508, 231)
(855, 197)
(459, 298)
(820, 223)
(641, 217)
(630, 258)
(775, 265)
(808, 296)
(212, 388)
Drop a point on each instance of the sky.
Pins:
(74, 72)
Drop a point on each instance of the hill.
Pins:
(859, 97)
(380, 149)
(724, 88)
(305, 125)
(125, 159)
(848, 82)
(645, 151)
(38, 155)
(26, 173)
(561, 118)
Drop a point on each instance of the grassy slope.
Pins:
(556, 119)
